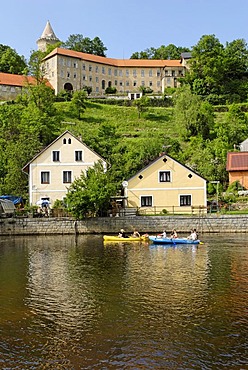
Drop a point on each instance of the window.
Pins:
(68, 74)
(97, 79)
(55, 156)
(69, 141)
(150, 83)
(158, 73)
(66, 177)
(74, 75)
(90, 68)
(75, 65)
(146, 201)
(142, 73)
(109, 71)
(185, 200)
(127, 72)
(45, 177)
(78, 155)
(164, 176)
(134, 73)
(150, 73)
(83, 67)
(103, 70)
(120, 73)
(134, 83)
(115, 72)
(96, 69)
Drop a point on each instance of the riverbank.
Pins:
(106, 225)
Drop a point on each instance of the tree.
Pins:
(192, 115)
(141, 104)
(10, 61)
(163, 52)
(78, 103)
(90, 194)
(83, 44)
(206, 64)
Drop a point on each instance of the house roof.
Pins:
(18, 80)
(237, 161)
(162, 157)
(131, 63)
(26, 167)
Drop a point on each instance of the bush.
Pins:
(110, 90)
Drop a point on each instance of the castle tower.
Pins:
(48, 37)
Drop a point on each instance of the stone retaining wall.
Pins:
(183, 224)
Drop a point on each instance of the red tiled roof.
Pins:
(18, 80)
(237, 161)
(115, 62)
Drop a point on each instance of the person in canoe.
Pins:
(122, 234)
(135, 234)
(162, 235)
(193, 235)
(173, 234)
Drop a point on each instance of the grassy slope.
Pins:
(153, 123)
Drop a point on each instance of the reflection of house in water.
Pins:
(168, 275)
(60, 288)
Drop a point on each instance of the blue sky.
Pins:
(123, 26)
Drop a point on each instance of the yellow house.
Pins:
(52, 171)
(166, 184)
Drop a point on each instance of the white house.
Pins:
(52, 171)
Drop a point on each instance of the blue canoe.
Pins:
(172, 241)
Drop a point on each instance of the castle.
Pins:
(72, 70)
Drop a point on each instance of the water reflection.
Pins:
(71, 303)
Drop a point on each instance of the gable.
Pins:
(66, 144)
(179, 175)
(237, 161)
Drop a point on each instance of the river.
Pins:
(76, 303)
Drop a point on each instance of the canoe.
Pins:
(174, 241)
(112, 238)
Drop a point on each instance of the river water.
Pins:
(76, 303)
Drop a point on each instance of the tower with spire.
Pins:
(48, 37)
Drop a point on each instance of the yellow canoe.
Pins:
(112, 238)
